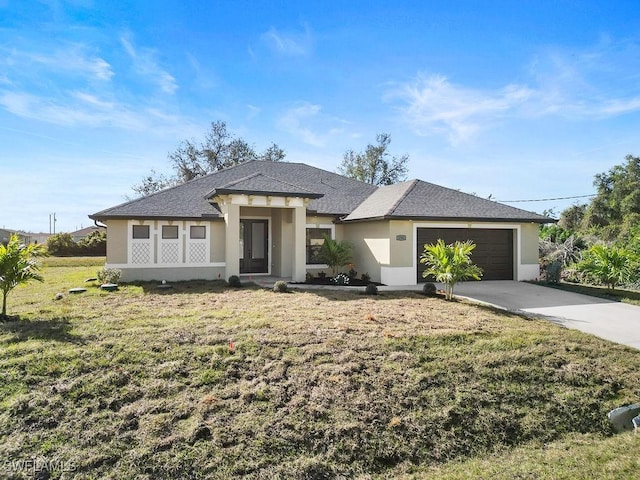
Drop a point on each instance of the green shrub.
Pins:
(108, 275)
(62, 245)
(280, 287)
(234, 281)
(365, 277)
(308, 277)
(429, 289)
(371, 289)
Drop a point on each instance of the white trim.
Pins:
(528, 272)
(136, 266)
(269, 242)
(398, 275)
(155, 243)
(518, 272)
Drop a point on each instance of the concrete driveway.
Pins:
(615, 321)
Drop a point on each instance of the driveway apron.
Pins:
(615, 321)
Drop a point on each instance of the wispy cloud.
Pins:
(146, 64)
(591, 84)
(71, 58)
(289, 43)
(307, 122)
(432, 104)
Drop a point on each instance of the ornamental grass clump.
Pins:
(108, 275)
(280, 287)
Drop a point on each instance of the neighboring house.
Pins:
(5, 235)
(85, 232)
(270, 217)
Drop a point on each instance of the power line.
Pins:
(547, 199)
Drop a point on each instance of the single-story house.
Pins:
(85, 232)
(269, 218)
(5, 235)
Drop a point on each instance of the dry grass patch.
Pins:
(201, 381)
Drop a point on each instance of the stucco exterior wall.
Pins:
(529, 243)
(172, 274)
(117, 237)
(217, 242)
(371, 246)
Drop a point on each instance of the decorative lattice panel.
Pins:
(169, 253)
(198, 253)
(140, 253)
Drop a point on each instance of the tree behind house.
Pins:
(220, 149)
(375, 165)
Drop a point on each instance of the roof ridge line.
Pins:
(403, 196)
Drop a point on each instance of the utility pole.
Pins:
(52, 216)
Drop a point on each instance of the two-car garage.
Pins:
(493, 252)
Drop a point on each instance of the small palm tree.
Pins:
(17, 265)
(335, 254)
(450, 264)
(610, 266)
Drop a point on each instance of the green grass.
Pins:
(202, 381)
(617, 295)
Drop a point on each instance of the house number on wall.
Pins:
(401, 238)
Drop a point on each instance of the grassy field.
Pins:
(202, 381)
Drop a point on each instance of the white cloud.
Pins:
(66, 59)
(592, 84)
(145, 63)
(307, 122)
(431, 104)
(291, 44)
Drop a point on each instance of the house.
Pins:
(85, 232)
(5, 235)
(269, 218)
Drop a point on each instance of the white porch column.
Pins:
(299, 270)
(232, 239)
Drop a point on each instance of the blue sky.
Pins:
(517, 100)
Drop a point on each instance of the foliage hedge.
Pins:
(62, 245)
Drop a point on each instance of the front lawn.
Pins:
(203, 381)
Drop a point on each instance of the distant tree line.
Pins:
(599, 241)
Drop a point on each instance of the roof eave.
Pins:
(229, 191)
(451, 219)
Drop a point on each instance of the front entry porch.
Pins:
(264, 235)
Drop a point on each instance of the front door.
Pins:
(254, 251)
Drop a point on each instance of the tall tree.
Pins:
(219, 149)
(375, 165)
(618, 195)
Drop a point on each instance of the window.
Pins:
(141, 231)
(315, 240)
(197, 231)
(169, 231)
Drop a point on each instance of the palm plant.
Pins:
(18, 265)
(335, 254)
(610, 266)
(450, 264)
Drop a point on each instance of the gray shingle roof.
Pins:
(259, 184)
(340, 195)
(331, 194)
(422, 200)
